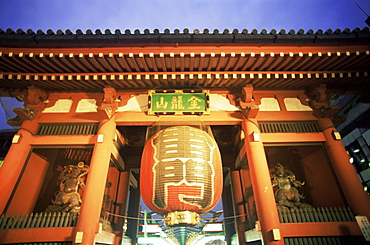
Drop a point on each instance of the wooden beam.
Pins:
(285, 116)
(31, 235)
(320, 229)
(197, 49)
(215, 118)
(292, 137)
(63, 140)
(357, 73)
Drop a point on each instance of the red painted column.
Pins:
(88, 221)
(14, 162)
(351, 186)
(261, 183)
(238, 201)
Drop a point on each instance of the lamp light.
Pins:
(79, 236)
(256, 137)
(336, 135)
(276, 234)
(100, 138)
(16, 138)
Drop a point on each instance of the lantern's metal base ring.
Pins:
(182, 218)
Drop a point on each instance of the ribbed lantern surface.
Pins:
(181, 174)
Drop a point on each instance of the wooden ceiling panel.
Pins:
(103, 63)
(55, 69)
(112, 60)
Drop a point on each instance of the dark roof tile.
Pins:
(20, 32)
(310, 32)
(9, 31)
(273, 32)
(90, 37)
(54, 39)
(167, 37)
(300, 32)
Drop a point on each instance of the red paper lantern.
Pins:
(181, 174)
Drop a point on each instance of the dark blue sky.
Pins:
(180, 14)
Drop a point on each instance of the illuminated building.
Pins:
(355, 133)
(86, 100)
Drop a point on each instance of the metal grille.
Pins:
(316, 215)
(288, 127)
(320, 215)
(37, 220)
(67, 129)
(83, 154)
(326, 240)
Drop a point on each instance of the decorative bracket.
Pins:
(25, 113)
(319, 103)
(34, 97)
(250, 111)
(248, 106)
(15, 121)
(110, 95)
(105, 112)
(319, 94)
(109, 105)
(247, 93)
(329, 110)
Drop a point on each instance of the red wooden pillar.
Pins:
(261, 184)
(351, 186)
(14, 162)
(88, 221)
(238, 201)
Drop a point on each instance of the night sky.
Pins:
(180, 14)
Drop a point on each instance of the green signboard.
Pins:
(184, 102)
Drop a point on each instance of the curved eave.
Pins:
(294, 60)
(30, 38)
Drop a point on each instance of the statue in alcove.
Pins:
(287, 195)
(70, 181)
